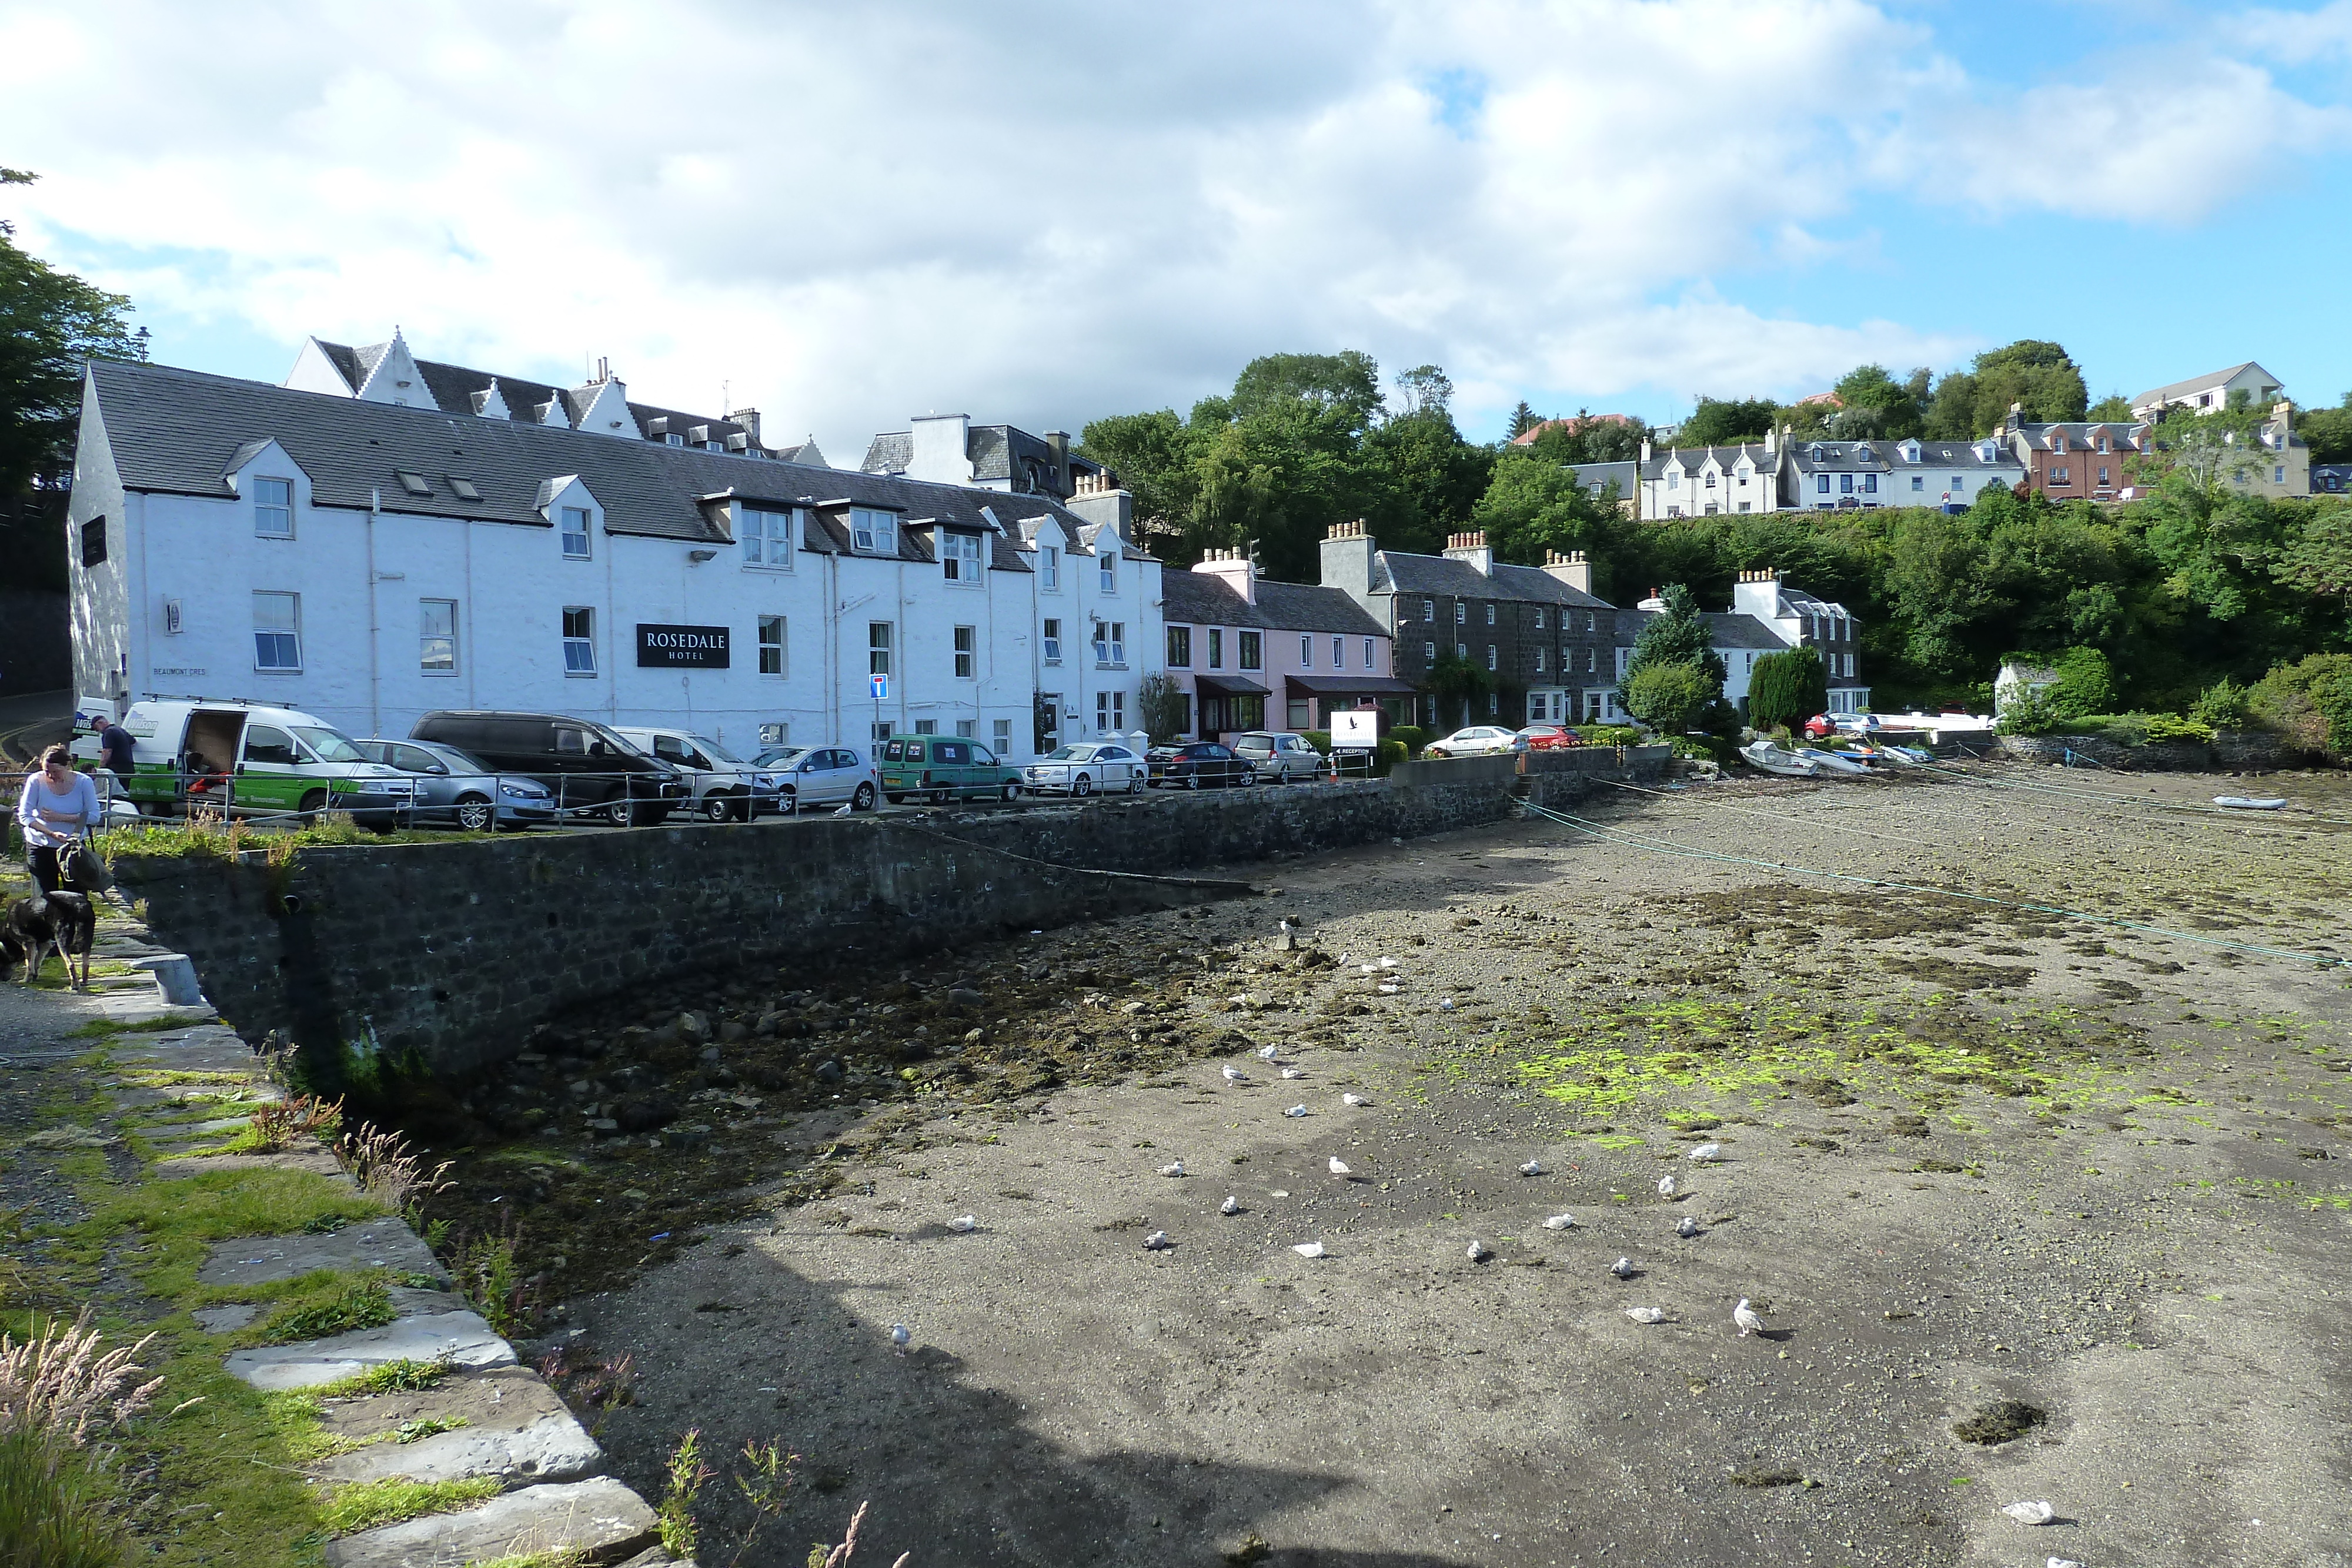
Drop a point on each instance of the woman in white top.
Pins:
(58, 806)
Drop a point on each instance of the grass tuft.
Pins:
(372, 1503)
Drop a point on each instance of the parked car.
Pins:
(463, 792)
(1197, 765)
(943, 768)
(1479, 740)
(590, 769)
(1549, 738)
(1823, 725)
(251, 760)
(1086, 766)
(822, 776)
(1279, 756)
(725, 787)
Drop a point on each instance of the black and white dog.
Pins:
(63, 922)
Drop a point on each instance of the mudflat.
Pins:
(2031, 1205)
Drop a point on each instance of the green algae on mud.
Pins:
(1679, 1052)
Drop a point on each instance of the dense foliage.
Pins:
(1787, 688)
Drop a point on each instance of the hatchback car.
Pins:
(816, 776)
(1479, 740)
(942, 768)
(1550, 737)
(456, 789)
(1197, 765)
(1278, 755)
(1085, 767)
(725, 786)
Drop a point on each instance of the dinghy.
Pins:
(1771, 758)
(1836, 762)
(2251, 802)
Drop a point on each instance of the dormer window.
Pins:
(1049, 567)
(1820, 454)
(273, 508)
(1109, 559)
(2058, 442)
(2102, 441)
(960, 558)
(767, 536)
(872, 532)
(575, 533)
(1710, 478)
(673, 439)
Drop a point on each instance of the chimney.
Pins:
(749, 418)
(1058, 443)
(1646, 449)
(1471, 548)
(942, 449)
(2283, 412)
(1100, 503)
(1348, 552)
(1758, 594)
(1571, 569)
(1771, 440)
(1232, 568)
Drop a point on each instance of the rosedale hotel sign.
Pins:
(681, 647)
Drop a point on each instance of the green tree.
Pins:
(1586, 440)
(2086, 684)
(1669, 697)
(2318, 560)
(2030, 371)
(1679, 634)
(1727, 422)
(2327, 432)
(2113, 409)
(1523, 419)
(1787, 688)
(50, 322)
(1163, 709)
(1876, 406)
(1531, 506)
(1423, 390)
(1457, 684)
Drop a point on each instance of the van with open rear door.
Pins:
(250, 759)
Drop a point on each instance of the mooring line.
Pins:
(1660, 846)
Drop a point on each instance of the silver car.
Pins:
(459, 789)
(1085, 767)
(1280, 756)
(815, 776)
(725, 787)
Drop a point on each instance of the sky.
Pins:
(1044, 212)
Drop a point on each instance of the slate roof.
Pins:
(1595, 477)
(1727, 458)
(1840, 457)
(2198, 384)
(1960, 454)
(1394, 571)
(996, 452)
(2080, 433)
(1306, 607)
(177, 432)
(1732, 629)
(1197, 599)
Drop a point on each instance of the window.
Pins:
(1429, 653)
(436, 649)
(1959, 483)
(1870, 484)
(93, 542)
(767, 538)
(772, 644)
(872, 532)
(968, 728)
(2278, 475)
(575, 533)
(1049, 568)
(1109, 563)
(1539, 625)
(1110, 642)
(1003, 737)
(1461, 614)
(1846, 484)
(1179, 647)
(578, 640)
(960, 558)
(1919, 481)
(1429, 610)
(1710, 479)
(267, 743)
(1367, 653)
(1539, 661)
(1461, 649)
(414, 484)
(2103, 474)
(1821, 484)
(2058, 475)
(877, 647)
(1589, 622)
(1217, 648)
(1491, 663)
(1305, 651)
(1490, 615)
(1053, 641)
(1111, 711)
(1745, 505)
(673, 439)
(277, 630)
(465, 489)
(966, 653)
(273, 508)
(1253, 650)
(881, 736)
(928, 726)
(1494, 706)
(1674, 479)
(1338, 653)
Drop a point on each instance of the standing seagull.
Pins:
(1340, 1167)
(901, 1337)
(1667, 1186)
(1745, 1316)
(1624, 1268)
(1236, 1076)
(1705, 1153)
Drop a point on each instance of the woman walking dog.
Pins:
(57, 807)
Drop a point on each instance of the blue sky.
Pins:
(1056, 211)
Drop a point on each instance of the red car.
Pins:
(1549, 738)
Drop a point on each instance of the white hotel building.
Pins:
(371, 549)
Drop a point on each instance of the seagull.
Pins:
(1236, 1076)
(1295, 1111)
(846, 808)
(1667, 1185)
(901, 1337)
(1533, 1167)
(1559, 1222)
(1293, 1072)
(1309, 1249)
(1340, 1167)
(1369, 969)
(1156, 1242)
(1646, 1314)
(1624, 1268)
(1705, 1153)
(1287, 926)
(1480, 1252)
(1231, 1205)
(2035, 1512)
(1173, 1168)
(1265, 1054)
(1388, 963)
(1446, 1005)
(1352, 1100)
(1687, 1229)
(964, 1224)
(1745, 1316)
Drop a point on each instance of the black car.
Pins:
(1198, 765)
(590, 770)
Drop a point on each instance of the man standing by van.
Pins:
(114, 752)
(58, 806)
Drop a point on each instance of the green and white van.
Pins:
(940, 767)
(248, 760)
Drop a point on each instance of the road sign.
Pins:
(881, 684)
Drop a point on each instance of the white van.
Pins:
(246, 760)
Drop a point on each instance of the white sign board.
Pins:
(1356, 729)
(881, 684)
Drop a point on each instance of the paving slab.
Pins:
(225, 1319)
(508, 1423)
(601, 1521)
(316, 1160)
(206, 1050)
(383, 1243)
(461, 1337)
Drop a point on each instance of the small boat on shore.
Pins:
(2251, 802)
(1835, 762)
(1768, 758)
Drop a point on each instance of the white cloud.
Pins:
(853, 214)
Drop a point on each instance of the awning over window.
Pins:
(1228, 686)
(1351, 686)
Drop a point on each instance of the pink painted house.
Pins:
(1251, 653)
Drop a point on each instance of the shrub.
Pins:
(1161, 708)
(2309, 705)
(2086, 684)
(1787, 688)
(1390, 753)
(1669, 696)
(2030, 712)
(2168, 727)
(1412, 737)
(1321, 740)
(1610, 735)
(2224, 705)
